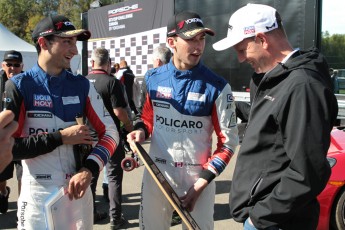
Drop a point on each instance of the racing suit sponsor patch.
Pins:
(42, 101)
(43, 176)
(70, 100)
(160, 160)
(230, 97)
(40, 115)
(164, 92)
(196, 97)
(22, 213)
(161, 105)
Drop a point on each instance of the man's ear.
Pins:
(171, 42)
(42, 42)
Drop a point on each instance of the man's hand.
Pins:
(189, 200)
(76, 134)
(135, 136)
(79, 183)
(7, 128)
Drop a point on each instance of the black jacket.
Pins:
(282, 165)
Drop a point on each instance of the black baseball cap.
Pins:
(60, 26)
(13, 55)
(187, 25)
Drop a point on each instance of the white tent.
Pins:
(9, 41)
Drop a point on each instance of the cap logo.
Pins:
(272, 26)
(180, 25)
(59, 25)
(194, 20)
(249, 30)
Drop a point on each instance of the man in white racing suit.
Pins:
(185, 103)
(45, 99)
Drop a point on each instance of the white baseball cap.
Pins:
(246, 22)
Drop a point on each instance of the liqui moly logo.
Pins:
(42, 101)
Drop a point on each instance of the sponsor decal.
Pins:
(41, 100)
(46, 32)
(273, 26)
(40, 115)
(194, 20)
(180, 25)
(230, 98)
(160, 160)
(123, 9)
(35, 131)
(43, 176)
(161, 105)
(249, 30)
(178, 126)
(164, 92)
(22, 213)
(196, 96)
(179, 123)
(60, 24)
(70, 100)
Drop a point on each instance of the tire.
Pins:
(338, 211)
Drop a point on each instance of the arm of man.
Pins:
(225, 126)
(306, 127)
(122, 115)
(36, 145)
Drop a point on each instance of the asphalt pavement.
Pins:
(131, 200)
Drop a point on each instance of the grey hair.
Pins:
(100, 56)
(162, 53)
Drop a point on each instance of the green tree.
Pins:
(15, 14)
(333, 47)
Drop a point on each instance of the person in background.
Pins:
(113, 97)
(48, 98)
(281, 166)
(7, 128)
(12, 65)
(185, 104)
(126, 76)
(334, 78)
(115, 68)
(160, 56)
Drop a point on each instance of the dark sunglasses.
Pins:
(13, 64)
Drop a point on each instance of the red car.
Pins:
(332, 198)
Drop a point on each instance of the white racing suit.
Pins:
(181, 111)
(41, 104)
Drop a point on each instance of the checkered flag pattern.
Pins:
(136, 49)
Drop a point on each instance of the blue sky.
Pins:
(333, 18)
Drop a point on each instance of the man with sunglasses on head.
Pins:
(12, 65)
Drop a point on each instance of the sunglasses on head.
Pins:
(13, 64)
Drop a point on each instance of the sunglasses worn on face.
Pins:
(13, 64)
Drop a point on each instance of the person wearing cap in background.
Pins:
(281, 166)
(12, 65)
(186, 102)
(45, 99)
